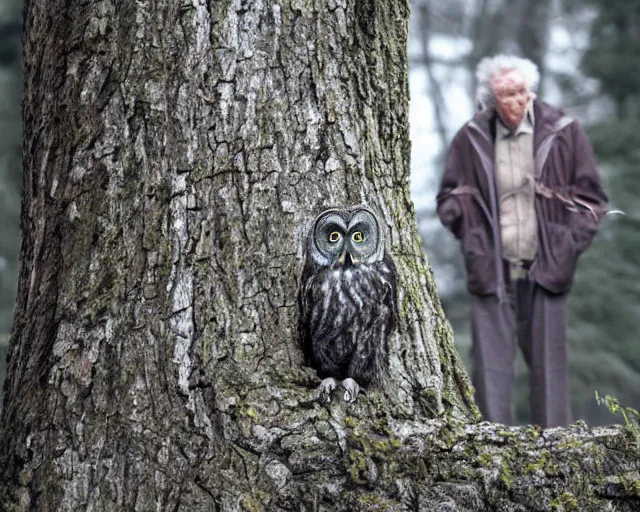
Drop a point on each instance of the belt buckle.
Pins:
(517, 270)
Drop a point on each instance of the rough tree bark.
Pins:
(173, 157)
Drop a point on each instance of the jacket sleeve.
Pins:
(586, 190)
(448, 205)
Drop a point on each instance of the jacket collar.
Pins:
(545, 117)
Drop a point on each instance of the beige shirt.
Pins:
(515, 174)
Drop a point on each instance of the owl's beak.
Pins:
(343, 258)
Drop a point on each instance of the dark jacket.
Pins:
(570, 201)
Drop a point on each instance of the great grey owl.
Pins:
(347, 300)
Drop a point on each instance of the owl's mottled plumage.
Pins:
(348, 299)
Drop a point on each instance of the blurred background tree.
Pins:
(10, 162)
(605, 304)
(587, 55)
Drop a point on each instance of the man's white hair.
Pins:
(492, 67)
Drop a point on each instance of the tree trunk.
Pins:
(173, 158)
(533, 33)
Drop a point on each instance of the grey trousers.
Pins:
(534, 319)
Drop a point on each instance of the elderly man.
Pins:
(521, 191)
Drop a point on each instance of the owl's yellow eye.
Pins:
(334, 236)
(358, 237)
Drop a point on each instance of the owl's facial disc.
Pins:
(329, 235)
(363, 238)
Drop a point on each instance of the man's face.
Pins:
(512, 97)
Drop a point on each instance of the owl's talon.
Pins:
(325, 389)
(351, 390)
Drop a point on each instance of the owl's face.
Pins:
(346, 237)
